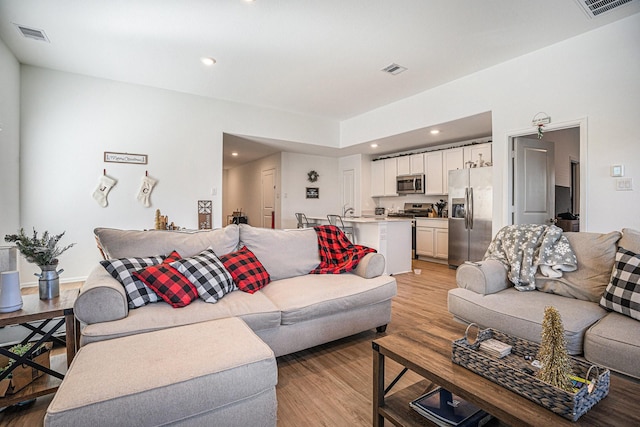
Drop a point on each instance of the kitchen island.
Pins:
(391, 237)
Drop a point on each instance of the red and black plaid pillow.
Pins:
(248, 273)
(168, 283)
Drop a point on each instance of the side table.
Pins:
(56, 312)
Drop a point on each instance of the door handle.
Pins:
(466, 208)
(470, 211)
(553, 220)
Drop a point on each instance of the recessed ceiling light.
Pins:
(434, 131)
(374, 145)
(234, 154)
(208, 61)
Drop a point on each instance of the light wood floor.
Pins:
(331, 385)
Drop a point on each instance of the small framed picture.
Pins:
(313, 193)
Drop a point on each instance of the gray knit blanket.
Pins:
(522, 249)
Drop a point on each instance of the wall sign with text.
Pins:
(140, 159)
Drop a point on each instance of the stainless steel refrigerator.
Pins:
(470, 211)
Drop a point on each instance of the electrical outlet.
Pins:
(624, 184)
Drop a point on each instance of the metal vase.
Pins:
(49, 283)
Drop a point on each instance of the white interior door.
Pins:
(533, 181)
(348, 188)
(268, 197)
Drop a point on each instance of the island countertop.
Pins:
(362, 219)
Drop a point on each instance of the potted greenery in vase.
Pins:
(43, 252)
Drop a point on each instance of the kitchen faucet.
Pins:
(346, 212)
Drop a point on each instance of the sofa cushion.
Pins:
(168, 283)
(256, 310)
(315, 295)
(596, 254)
(623, 292)
(283, 253)
(247, 271)
(138, 294)
(521, 313)
(208, 275)
(614, 341)
(135, 243)
(630, 240)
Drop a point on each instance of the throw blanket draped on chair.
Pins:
(522, 248)
(337, 253)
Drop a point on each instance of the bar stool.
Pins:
(303, 222)
(337, 221)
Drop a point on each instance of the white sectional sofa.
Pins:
(295, 311)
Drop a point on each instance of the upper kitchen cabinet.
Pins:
(390, 175)
(409, 165)
(383, 177)
(474, 153)
(433, 176)
(452, 159)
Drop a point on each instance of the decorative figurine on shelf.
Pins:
(43, 252)
(162, 222)
(556, 366)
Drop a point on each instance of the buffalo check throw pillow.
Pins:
(623, 291)
(168, 282)
(138, 294)
(207, 273)
(247, 271)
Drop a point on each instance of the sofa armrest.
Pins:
(484, 277)
(102, 299)
(370, 266)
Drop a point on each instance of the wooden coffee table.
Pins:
(426, 350)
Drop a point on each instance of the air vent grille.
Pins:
(594, 8)
(394, 69)
(32, 33)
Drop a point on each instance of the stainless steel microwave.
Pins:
(410, 184)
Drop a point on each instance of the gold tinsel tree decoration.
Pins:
(556, 365)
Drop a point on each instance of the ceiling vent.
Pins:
(32, 33)
(594, 8)
(394, 69)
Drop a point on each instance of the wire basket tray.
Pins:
(509, 372)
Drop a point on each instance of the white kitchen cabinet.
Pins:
(404, 165)
(417, 163)
(409, 165)
(452, 159)
(377, 178)
(383, 178)
(433, 174)
(473, 153)
(432, 238)
(390, 175)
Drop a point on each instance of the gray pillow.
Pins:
(596, 254)
(630, 240)
(136, 243)
(283, 253)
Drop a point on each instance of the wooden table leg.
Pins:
(378, 386)
(70, 337)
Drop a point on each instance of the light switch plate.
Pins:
(624, 184)
(617, 170)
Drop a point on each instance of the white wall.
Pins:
(68, 121)
(593, 76)
(9, 143)
(243, 189)
(294, 183)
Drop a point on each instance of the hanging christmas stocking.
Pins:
(104, 186)
(145, 190)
